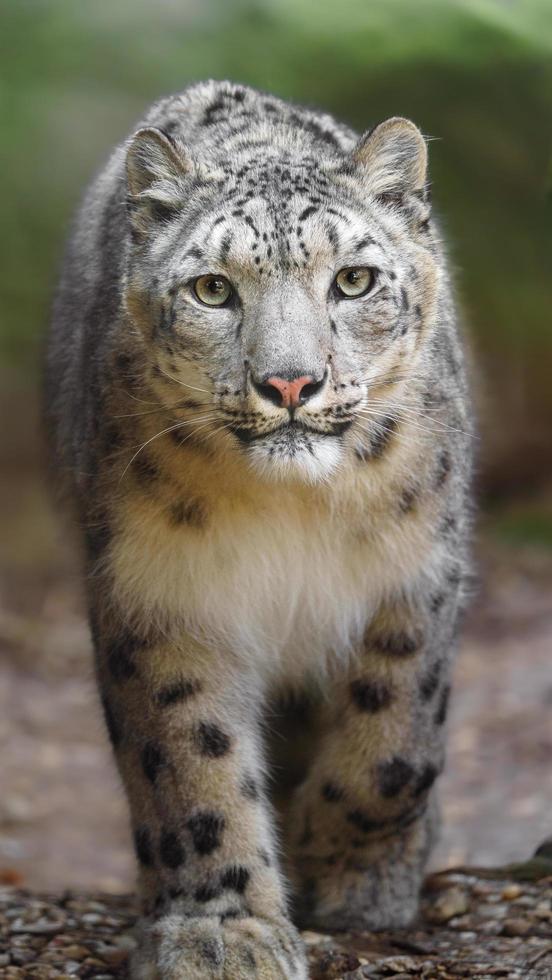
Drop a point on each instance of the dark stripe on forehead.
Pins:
(211, 111)
(224, 246)
(170, 244)
(250, 144)
(194, 253)
(333, 236)
(338, 214)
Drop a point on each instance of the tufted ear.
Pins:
(392, 157)
(155, 168)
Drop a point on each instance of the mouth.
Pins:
(293, 429)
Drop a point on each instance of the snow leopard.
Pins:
(260, 424)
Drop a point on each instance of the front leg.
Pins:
(185, 735)
(362, 824)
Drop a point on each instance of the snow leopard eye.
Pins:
(354, 281)
(213, 290)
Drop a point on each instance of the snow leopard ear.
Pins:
(153, 157)
(155, 168)
(393, 158)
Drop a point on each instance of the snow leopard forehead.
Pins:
(268, 184)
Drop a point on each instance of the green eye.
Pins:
(213, 290)
(354, 281)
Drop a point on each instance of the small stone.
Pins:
(515, 927)
(22, 956)
(452, 902)
(526, 901)
(511, 892)
(332, 963)
(91, 918)
(128, 941)
(482, 889)
(398, 964)
(97, 907)
(491, 911)
(71, 967)
(460, 921)
(114, 955)
(490, 928)
(75, 952)
(494, 899)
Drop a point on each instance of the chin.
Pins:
(295, 460)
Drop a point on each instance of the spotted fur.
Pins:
(241, 554)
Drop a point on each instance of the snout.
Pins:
(289, 392)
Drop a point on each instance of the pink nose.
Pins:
(291, 393)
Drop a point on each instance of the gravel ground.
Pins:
(470, 927)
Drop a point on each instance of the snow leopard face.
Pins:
(284, 275)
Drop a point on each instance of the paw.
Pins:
(263, 949)
(352, 901)
(362, 914)
(176, 948)
(173, 948)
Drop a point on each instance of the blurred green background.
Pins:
(476, 75)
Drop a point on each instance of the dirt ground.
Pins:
(62, 814)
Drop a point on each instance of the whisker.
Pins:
(163, 432)
(410, 411)
(399, 418)
(154, 411)
(139, 415)
(396, 379)
(393, 372)
(411, 419)
(183, 383)
(228, 425)
(136, 399)
(202, 428)
(370, 429)
(397, 415)
(415, 413)
(405, 407)
(143, 401)
(380, 379)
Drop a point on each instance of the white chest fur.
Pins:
(285, 586)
